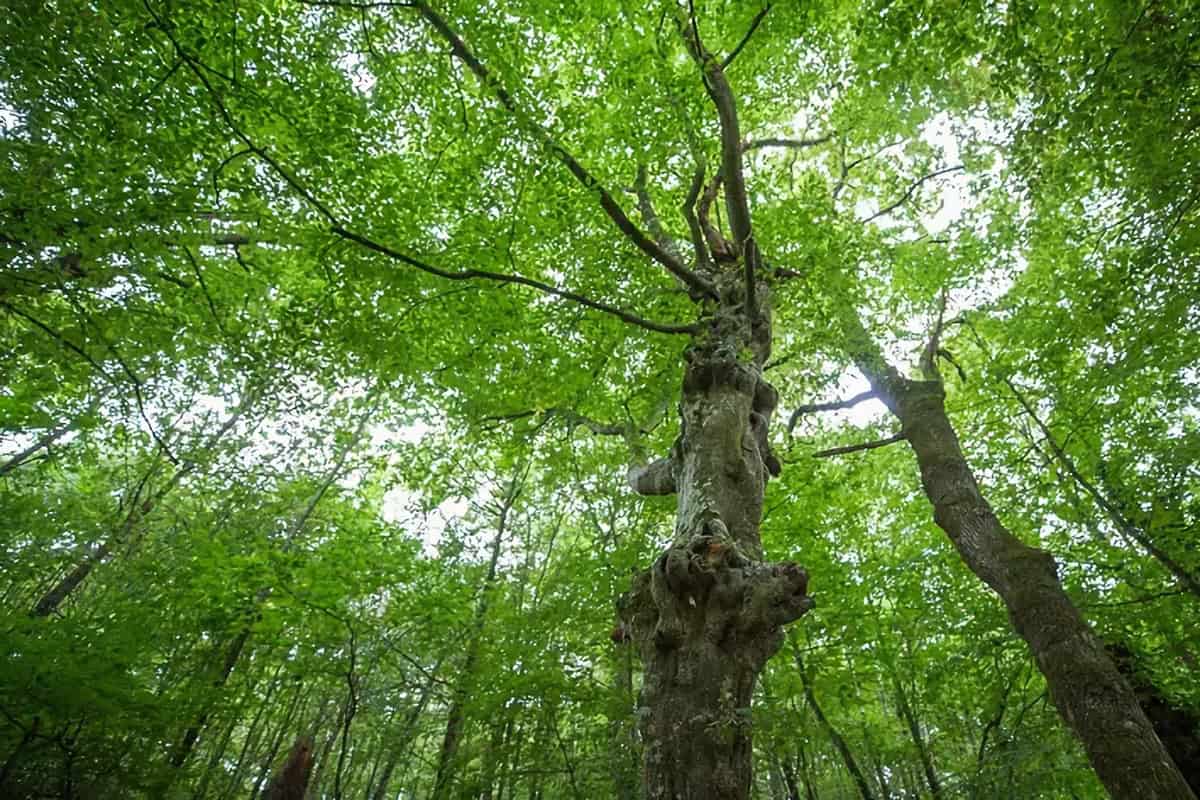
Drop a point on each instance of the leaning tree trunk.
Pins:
(1088, 691)
(708, 613)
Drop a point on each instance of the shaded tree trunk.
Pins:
(192, 734)
(138, 509)
(456, 718)
(914, 728)
(1178, 728)
(1092, 697)
(408, 732)
(839, 743)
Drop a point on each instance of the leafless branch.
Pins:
(836, 405)
(791, 144)
(909, 192)
(703, 260)
(650, 216)
(854, 448)
(500, 277)
(736, 201)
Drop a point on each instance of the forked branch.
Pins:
(613, 209)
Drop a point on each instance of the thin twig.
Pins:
(854, 448)
(909, 193)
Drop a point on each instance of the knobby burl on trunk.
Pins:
(709, 612)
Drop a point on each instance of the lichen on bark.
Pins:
(708, 613)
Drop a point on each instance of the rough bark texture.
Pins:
(1178, 728)
(1088, 691)
(708, 613)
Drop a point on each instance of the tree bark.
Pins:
(1092, 697)
(709, 612)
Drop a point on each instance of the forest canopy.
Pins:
(703, 399)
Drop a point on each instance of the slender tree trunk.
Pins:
(456, 718)
(622, 755)
(44, 442)
(914, 729)
(810, 789)
(138, 509)
(408, 732)
(709, 612)
(192, 734)
(839, 743)
(233, 787)
(1092, 697)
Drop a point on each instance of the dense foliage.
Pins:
(288, 453)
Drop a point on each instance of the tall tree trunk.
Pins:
(839, 743)
(456, 718)
(138, 509)
(622, 754)
(232, 653)
(1092, 697)
(408, 732)
(914, 730)
(810, 789)
(709, 612)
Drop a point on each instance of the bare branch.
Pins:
(790, 144)
(909, 193)
(356, 6)
(500, 277)
(589, 181)
(653, 223)
(929, 358)
(754, 23)
(717, 245)
(836, 405)
(854, 448)
(703, 260)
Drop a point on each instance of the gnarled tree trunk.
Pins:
(708, 613)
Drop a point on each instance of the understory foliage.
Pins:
(289, 460)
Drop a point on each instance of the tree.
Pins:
(464, 217)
